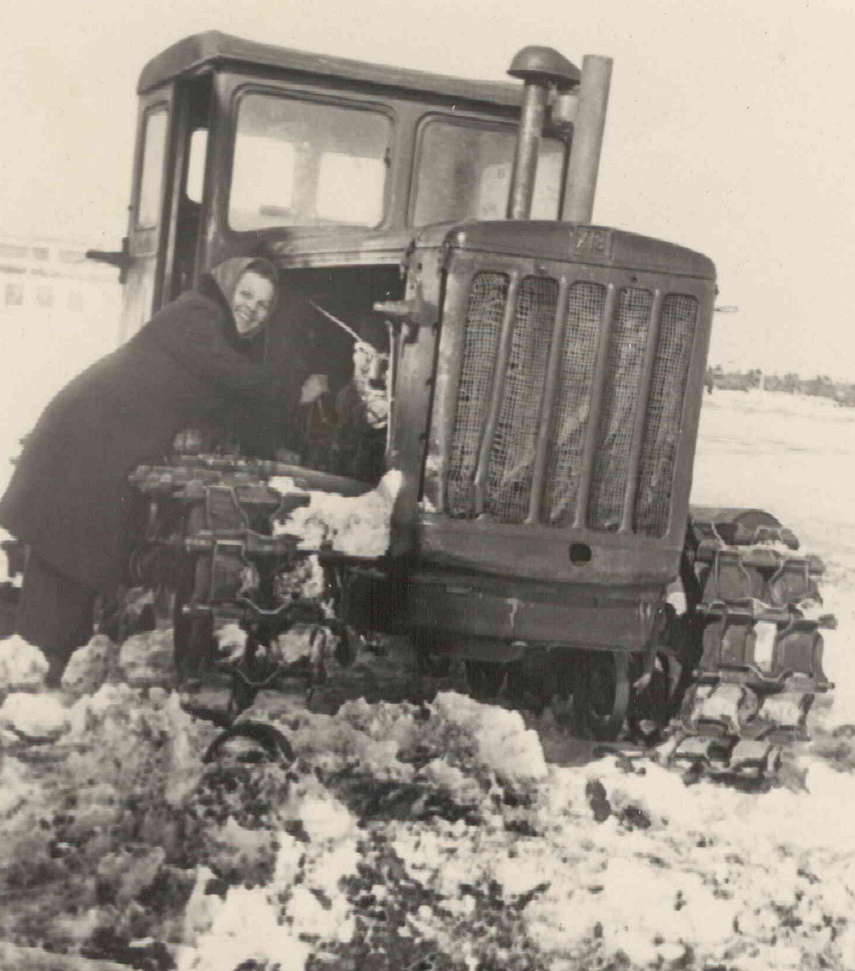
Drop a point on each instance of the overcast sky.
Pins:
(730, 127)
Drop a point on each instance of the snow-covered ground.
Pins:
(404, 838)
(794, 456)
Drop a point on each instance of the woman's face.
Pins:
(252, 302)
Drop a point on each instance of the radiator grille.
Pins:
(520, 415)
(509, 479)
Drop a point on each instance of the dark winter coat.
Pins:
(68, 498)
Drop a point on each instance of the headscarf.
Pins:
(227, 274)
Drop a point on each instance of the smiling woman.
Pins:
(190, 365)
(252, 303)
(250, 288)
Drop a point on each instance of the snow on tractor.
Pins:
(513, 516)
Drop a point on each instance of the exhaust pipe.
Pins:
(578, 205)
(539, 68)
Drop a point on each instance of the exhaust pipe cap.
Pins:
(546, 66)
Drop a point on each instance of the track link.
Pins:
(756, 614)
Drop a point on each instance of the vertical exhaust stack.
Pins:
(578, 206)
(540, 68)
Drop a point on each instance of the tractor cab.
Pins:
(329, 167)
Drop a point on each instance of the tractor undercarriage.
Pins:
(269, 590)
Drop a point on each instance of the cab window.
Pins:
(464, 172)
(196, 165)
(151, 180)
(302, 163)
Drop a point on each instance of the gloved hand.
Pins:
(369, 364)
(314, 386)
(369, 380)
(376, 404)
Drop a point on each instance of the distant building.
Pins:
(52, 277)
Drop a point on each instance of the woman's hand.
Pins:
(314, 386)
(369, 364)
(370, 368)
(376, 407)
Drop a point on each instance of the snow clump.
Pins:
(35, 716)
(148, 659)
(90, 666)
(401, 830)
(357, 526)
(22, 666)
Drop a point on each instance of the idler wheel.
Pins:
(601, 694)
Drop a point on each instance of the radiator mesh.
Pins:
(483, 326)
(665, 407)
(620, 402)
(509, 477)
(585, 307)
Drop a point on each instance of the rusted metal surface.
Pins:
(460, 605)
(193, 472)
(588, 245)
(414, 372)
(472, 252)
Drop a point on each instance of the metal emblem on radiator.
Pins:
(590, 241)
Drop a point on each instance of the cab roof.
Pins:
(212, 47)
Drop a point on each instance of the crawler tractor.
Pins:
(544, 385)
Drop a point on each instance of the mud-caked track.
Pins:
(754, 617)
